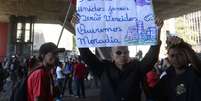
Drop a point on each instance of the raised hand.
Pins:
(173, 40)
(75, 19)
(159, 22)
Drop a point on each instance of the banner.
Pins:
(106, 23)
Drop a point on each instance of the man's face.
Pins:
(177, 58)
(120, 55)
(49, 59)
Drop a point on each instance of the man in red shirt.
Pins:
(79, 75)
(40, 82)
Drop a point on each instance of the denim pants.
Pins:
(80, 88)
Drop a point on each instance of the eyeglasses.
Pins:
(120, 52)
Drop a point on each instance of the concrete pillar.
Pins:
(12, 35)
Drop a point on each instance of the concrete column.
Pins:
(12, 36)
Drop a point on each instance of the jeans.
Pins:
(80, 88)
(61, 85)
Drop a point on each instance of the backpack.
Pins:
(19, 92)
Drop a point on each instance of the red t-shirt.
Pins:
(80, 71)
(152, 78)
(39, 85)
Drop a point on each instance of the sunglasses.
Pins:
(120, 52)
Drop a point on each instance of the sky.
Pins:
(51, 33)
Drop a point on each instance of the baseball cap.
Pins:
(49, 47)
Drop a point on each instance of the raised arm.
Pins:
(95, 65)
(151, 57)
(193, 59)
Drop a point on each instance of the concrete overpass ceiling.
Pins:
(47, 11)
(174, 8)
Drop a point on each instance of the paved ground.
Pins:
(92, 93)
(91, 98)
(5, 94)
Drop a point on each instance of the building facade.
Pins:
(189, 28)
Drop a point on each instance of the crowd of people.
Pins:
(73, 70)
(14, 69)
(175, 78)
(45, 75)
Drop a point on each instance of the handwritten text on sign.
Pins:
(105, 23)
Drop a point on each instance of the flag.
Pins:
(73, 2)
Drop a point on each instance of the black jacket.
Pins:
(119, 85)
(184, 87)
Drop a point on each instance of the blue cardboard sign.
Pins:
(106, 23)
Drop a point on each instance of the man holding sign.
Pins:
(120, 78)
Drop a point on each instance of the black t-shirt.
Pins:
(184, 87)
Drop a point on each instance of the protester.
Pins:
(139, 55)
(68, 70)
(80, 74)
(150, 81)
(14, 68)
(40, 86)
(60, 77)
(121, 78)
(182, 80)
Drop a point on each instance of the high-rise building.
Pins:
(189, 28)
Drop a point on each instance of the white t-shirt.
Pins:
(59, 73)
